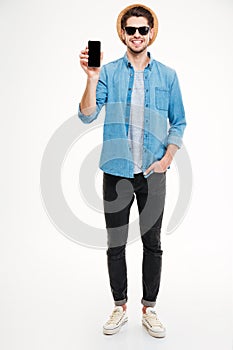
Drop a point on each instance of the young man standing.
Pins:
(140, 96)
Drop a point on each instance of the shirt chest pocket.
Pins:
(162, 99)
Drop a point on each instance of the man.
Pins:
(140, 96)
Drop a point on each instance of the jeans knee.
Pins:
(151, 243)
(116, 252)
(153, 250)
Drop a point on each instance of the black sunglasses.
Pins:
(142, 30)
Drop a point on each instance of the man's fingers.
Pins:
(148, 170)
(156, 167)
(85, 50)
(83, 55)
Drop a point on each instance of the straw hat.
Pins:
(146, 8)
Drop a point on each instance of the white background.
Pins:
(54, 293)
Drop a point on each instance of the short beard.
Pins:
(137, 52)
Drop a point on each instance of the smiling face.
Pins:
(137, 43)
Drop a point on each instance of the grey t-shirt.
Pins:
(136, 125)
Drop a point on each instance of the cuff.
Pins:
(175, 140)
(86, 119)
(148, 303)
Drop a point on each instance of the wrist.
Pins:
(169, 155)
(167, 159)
(93, 79)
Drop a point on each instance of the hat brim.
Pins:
(119, 29)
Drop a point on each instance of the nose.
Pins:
(137, 34)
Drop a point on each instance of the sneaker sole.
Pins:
(115, 330)
(154, 334)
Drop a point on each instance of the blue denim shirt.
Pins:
(164, 116)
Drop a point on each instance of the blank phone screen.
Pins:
(94, 53)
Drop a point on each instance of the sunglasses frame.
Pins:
(137, 28)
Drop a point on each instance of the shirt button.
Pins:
(147, 105)
(129, 89)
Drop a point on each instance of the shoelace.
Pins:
(153, 318)
(114, 316)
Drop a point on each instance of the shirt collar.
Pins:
(149, 66)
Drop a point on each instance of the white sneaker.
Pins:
(151, 322)
(117, 319)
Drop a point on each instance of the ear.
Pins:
(123, 34)
(151, 33)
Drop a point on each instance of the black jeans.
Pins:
(118, 198)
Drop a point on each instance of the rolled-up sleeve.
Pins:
(176, 115)
(101, 99)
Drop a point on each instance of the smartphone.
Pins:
(94, 53)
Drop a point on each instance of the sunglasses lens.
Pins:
(143, 30)
(132, 30)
